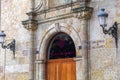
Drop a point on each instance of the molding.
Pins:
(83, 12)
(40, 61)
(54, 18)
(31, 23)
(62, 6)
(80, 12)
(78, 58)
(57, 8)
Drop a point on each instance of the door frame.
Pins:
(43, 46)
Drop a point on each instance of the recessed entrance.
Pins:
(60, 64)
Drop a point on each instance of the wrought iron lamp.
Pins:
(10, 45)
(113, 30)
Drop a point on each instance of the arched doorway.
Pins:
(60, 62)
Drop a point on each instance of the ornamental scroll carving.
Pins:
(83, 12)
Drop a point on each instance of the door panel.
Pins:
(61, 69)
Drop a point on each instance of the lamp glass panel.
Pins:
(2, 38)
(102, 21)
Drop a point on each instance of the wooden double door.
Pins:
(61, 69)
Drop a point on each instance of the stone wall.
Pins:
(12, 13)
(103, 58)
(103, 54)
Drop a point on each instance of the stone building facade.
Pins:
(96, 56)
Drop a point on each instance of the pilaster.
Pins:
(84, 14)
(31, 24)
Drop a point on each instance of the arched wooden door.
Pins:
(60, 64)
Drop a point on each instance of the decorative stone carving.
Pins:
(31, 23)
(83, 12)
(58, 27)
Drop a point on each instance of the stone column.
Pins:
(31, 25)
(84, 14)
(31, 56)
(84, 17)
(85, 48)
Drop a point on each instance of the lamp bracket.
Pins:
(10, 46)
(112, 31)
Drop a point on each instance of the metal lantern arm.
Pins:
(112, 31)
(10, 46)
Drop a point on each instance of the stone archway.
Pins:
(53, 29)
